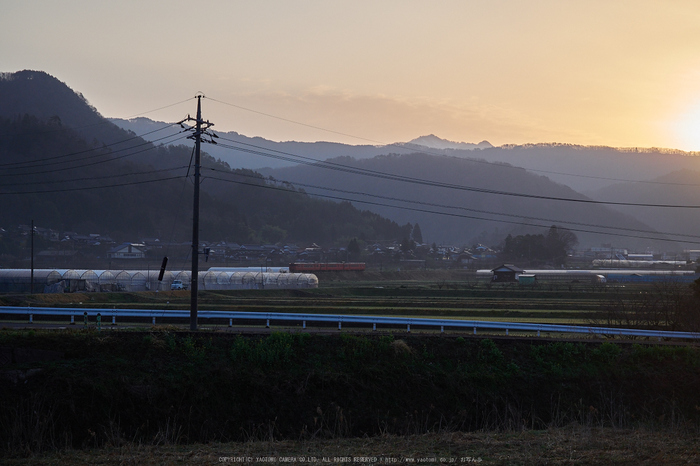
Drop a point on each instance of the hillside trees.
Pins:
(70, 169)
(416, 234)
(536, 249)
(354, 250)
(52, 175)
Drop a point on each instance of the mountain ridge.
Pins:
(432, 141)
(68, 168)
(458, 204)
(579, 167)
(245, 214)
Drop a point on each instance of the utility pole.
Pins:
(199, 129)
(31, 287)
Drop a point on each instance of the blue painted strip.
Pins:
(356, 319)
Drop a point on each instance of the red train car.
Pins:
(311, 267)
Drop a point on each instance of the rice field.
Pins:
(582, 305)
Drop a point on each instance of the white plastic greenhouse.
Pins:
(71, 280)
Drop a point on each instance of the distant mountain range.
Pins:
(245, 157)
(582, 168)
(457, 192)
(589, 170)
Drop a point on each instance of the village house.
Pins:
(127, 251)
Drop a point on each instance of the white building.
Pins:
(127, 251)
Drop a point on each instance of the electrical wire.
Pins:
(92, 178)
(344, 168)
(62, 190)
(383, 175)
(449, 214)
(160, 108)
(41, 161)
(444, 206)
(103, 121)
(295, 122)
(407, 147)
(177, 215)
(149, 144)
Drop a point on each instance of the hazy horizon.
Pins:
(622, 74)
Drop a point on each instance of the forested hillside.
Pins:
(459, 203)
(678, 188)
(67, 168)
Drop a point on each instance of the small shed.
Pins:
(527, 279)
(507, 273)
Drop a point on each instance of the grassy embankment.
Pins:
(83, 389)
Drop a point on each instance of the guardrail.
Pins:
(268, 317)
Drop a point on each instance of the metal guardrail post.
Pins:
(31, 318)
(72, 319)
(374, 326)
(303, 324)
(230, 322)
(99, 321)
(339, 325)
(408, 328)
(85, 320)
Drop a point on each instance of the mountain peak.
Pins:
(435, 142)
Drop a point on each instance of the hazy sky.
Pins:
(618, 73)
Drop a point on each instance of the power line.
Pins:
(149, 147)
(62, 190)
(444, 206)
(388, 176)
(295, 122)
(10, 164)
(93, 178)
(450, 214)
(160, 108)
(104, 121)
(427, 150)
(42, 162)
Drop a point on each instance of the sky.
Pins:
(592, 72)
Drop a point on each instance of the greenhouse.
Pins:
(77, 280)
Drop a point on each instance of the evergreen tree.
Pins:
(354, 249)
(417, 235)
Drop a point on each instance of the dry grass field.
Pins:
(567, 445)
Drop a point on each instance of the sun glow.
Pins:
(687, 129)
